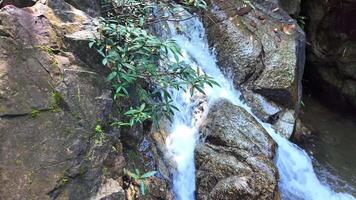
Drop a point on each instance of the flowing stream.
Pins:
(297, 177)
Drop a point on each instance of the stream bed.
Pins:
(334, 148)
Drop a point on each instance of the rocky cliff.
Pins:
(55, 108)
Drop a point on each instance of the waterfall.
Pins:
(297, 177)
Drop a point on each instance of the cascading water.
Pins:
(297, 177)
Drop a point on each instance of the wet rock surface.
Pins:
(263, 48)
(235, 159)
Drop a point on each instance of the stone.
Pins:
(50, 103)
(235, 159)
(285, 124)
(17, 3)
(292, 7)
(262, 48)
(302, 134)
(263, 108)
(91, 7)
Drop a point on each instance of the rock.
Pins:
(110, 190)
(264, 109)
(331, 68)
(265, 53)
(164, 162)
(235, 161)
(301, 133)
(17, 3)
(292, 7)
(285, 124)
(50, 103)
(91, 7)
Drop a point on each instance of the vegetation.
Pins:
(35, 113)
(140, 178)
(143, 66)
(99, 136)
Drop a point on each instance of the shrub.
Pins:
(141, 63)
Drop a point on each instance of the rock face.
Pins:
(263, 49)
(55, 110)
(236, 159)
(331, 66)
(50, 103)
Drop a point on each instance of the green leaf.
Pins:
(105, 61)
(142, 188)
(91, 43)
(148, 174)
(137, 171)
(111, 76)
(142, 107)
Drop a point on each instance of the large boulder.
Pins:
(235, 161)
(263, 49)
(56, 109)
(51, 101)
(331, 66)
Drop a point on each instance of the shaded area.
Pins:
(334, 147)
(330, 70)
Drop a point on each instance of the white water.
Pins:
(297, 177)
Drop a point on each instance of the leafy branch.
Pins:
(138, 59)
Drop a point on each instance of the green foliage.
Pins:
(57, 99)
(248, 2)
(143, 66)
(35, 113)
(140, 178)
(196, 3)
(301, 21)
(99, 136)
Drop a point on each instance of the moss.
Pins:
(35, 113)
(18, 162)
(51, 52)
(133, 155)
(78, 94)
(57, 99)
(29, 177)
(99, 136)
(46, 49)
(106, 172)
(63, 180)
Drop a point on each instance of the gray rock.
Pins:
(235, 161)
(292, 7)
(262, 47)
(50, 103)
(285, 124)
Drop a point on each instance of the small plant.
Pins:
(201, 4)
(99, 135)
(35, 113)
(301, 21)
(302, 103)
(140, 179)
(248, 2)
(57, 99)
